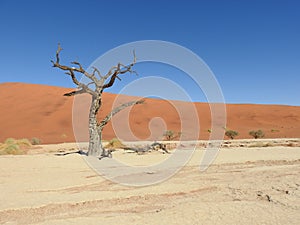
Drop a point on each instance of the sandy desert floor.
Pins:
(257, 185)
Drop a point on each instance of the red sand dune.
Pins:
(41, 111)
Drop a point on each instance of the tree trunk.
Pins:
(95, 146)
(95, 143)
(100, 82)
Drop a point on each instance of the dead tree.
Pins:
(99, 83)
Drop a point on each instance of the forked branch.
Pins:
(99, 81)
(71, 72)
(117, 70)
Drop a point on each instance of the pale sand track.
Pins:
(243, 186)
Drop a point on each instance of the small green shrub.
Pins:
(11, 147)
(171, 135)
(257, 133)
(35, 141)
(231, 133)
(9, 141)
(14, 147)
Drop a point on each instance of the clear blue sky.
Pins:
(253, 47)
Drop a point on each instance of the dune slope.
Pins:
(30, 110)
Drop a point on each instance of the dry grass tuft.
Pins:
(114, 143)
(12, 146)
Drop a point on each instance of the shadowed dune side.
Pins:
(30, 110)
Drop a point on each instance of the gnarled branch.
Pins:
(72, 93)
(117, 70)
(100, 84)
(116, 110)
(71, 72)
(95, 70)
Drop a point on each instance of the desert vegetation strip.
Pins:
(12, 146)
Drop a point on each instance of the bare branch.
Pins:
(117, 70)
(72, 93)
(134, 56)
(116, 110)
(110, 72)
(82, 71)
(57, 52)
(96, 71)
(71, 72)
(90, 83)
(57, 55)
(118, 78)
(78, 64)
(111, 81)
